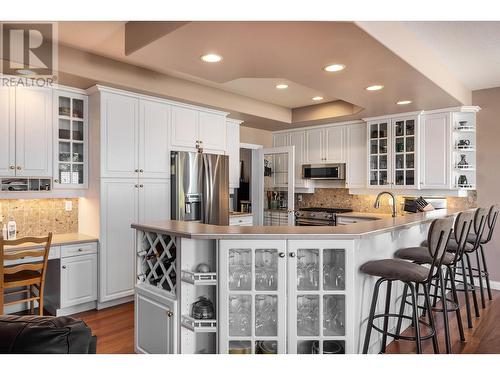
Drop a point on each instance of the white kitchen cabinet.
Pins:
(393, 152)
(326, 145)
(193, 129)
(184, 127)
(70, 154)
(263, 284)
(33, 132)
(155, 322)
(212, 132)
(356, 156)
(281, 139)
(335, 144)
(154, 126)
(119, 135)
(252, 312)
(435, 151)
(297, 139)
(314, 146)
(318, 297)
(78, 280)
(7, 132)
(119, 209)
(154, 200)
(233, 148)
(241, 221)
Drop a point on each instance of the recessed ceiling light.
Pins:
(317, 98)
(211, 58)
(375, 87)
(334, 68)
(403, 102)
(282, 86)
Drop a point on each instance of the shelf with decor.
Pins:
(464, 150)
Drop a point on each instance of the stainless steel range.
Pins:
(318, 216)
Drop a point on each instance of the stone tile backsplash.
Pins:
(37, 217)
(340, 198)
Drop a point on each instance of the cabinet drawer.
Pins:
(241, 221)
(78, 249)
(54, 253)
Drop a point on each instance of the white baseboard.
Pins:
(119, 301)
(493, 284)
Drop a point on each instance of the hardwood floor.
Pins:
(114, 328)
(484, 338)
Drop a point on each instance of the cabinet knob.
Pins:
(281, 255)
(80, 250)
(12, 167)
(170, 314)
(141, 170)
(136, 170)
(136, 185)
(19, 168)
(56, 180)
(141, 185)
(63, 267)
(292, 255)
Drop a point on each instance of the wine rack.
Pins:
(156, 260)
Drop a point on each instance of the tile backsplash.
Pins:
(340, 198)
(37, 217)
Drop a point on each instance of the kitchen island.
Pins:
(273, 289)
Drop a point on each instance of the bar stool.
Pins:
(421, 255)
(482, 269)
(412, 275)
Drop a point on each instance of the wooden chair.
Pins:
(29, 275)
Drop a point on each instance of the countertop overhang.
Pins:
(195, 230)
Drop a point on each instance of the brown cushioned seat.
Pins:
(452, 246)
(471, 238)
(420, 254)
(396, 269)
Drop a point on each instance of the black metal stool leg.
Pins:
(414, 301)
(369, 324)
(466, 294)
(480, 277)
(401, 310)
(486, 274)
(436, 288)
(449, 273)
(445, 314)
(473, 290)
(386, 318)
(435, 344)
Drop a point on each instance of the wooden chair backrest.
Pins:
(23, 254)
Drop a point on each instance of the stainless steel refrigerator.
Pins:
(200, 187)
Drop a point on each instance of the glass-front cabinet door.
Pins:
(379, 153)
(71, 133)
(317, 297)
(252, 292)
(404, 148)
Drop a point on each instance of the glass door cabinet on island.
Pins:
(279, 299)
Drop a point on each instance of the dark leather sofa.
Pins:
(45, 335)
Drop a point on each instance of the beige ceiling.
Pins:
(257, 55)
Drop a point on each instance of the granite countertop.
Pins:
(58, 240)
(353, 231)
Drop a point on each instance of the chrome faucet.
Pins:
(377, 201)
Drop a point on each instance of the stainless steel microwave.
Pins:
(323, 171)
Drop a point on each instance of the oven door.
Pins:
(323, 171)
(313, 222)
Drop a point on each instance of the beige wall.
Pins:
(256, 136)
(488, 158)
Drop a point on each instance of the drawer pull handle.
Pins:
(63, 267)
(170, 314)
(80, 249)
(282, 255)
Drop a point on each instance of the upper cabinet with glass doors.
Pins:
(71, 140)
(393, 148)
